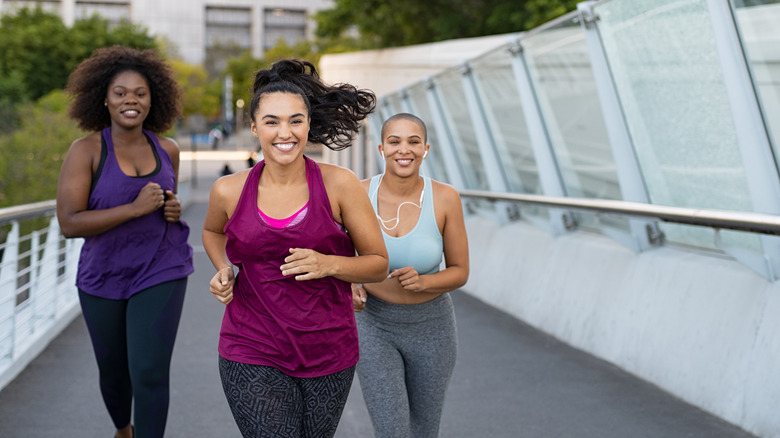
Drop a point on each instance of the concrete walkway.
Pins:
(510, 380)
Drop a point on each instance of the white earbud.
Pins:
(425, 154)
(382, 154)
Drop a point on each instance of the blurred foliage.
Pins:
(38, 52)
(201, 95)
(242, 68)
(538, 12)
(381, 24)
(32, 155)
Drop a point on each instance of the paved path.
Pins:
(509, 381)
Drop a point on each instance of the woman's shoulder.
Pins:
(333, 174)
(169, 144)
(444, 188)
(445, 192)
(167, 141)
(88, 145)
(231, 184)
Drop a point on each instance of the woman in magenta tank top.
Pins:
(117, 190)
(297, 233)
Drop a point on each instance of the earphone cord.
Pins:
(398, 211)
(397, 215)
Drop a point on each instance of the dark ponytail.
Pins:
(335, 111)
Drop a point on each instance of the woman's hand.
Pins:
(149, 199)
(172, 208)
(307, 264)
(221, 285)
(358, 297)
(409, 279)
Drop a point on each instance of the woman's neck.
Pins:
(284, 175)
(123, 136)
(402, 186)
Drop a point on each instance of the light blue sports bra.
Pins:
(422, 248)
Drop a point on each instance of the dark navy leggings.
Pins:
(133, 342)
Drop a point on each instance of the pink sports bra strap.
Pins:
(281, 223)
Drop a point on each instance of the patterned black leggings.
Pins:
(268, 403)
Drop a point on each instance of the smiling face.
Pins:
(128, 99)
(403, 146)
(281, 123)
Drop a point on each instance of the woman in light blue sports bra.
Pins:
(406, 323)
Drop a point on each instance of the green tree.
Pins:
(32, 155)
(201, 95)
(242, 68)
(33, 46)
(37, 47)
(403, 22)
(539, 12)
(94, 32)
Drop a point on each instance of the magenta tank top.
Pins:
(141, 252)
(303, 328)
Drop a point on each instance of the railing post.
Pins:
(546, 162)
(486, 143)
(454, 171)
(45, 286)
(627, 167)
(752, 135)
(9, 267)
(72, 253)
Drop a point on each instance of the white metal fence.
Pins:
(38, 296)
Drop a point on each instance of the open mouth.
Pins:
(284, 146)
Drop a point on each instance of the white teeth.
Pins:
(284, 146)
(404, 161)
(131, 112)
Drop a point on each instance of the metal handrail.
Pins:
(732, 220)
(26, 211)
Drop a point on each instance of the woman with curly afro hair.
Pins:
(117, 190)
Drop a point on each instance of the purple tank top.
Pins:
(141, 252)
(303, 328)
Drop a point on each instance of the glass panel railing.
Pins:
(433, 165)
(388, 106)
(504, 114)
(757, 21)
(559, 66)
(449, 87)
(668, 77)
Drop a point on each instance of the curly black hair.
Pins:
(335, 110)
(88, 84)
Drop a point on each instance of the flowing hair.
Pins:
(335, 111)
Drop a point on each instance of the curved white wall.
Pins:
(700, 326)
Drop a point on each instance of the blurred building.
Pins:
(199, 30)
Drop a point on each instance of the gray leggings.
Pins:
(407, 353)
